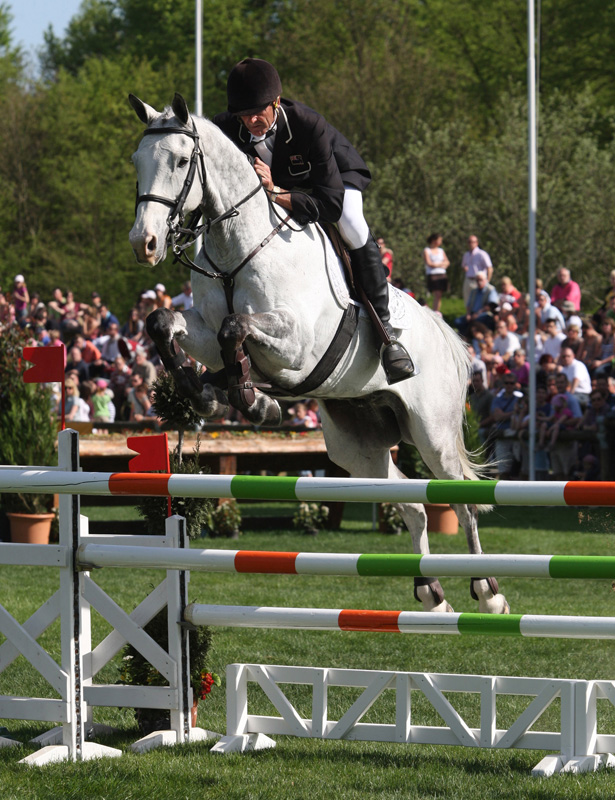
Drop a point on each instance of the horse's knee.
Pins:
(232, 333)
(159, 324)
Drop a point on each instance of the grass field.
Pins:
(315, 769)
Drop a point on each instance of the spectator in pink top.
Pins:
(566, 289)
(21, 300)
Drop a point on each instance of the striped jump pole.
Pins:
(327, 619)
(358, 490)
(350, 564)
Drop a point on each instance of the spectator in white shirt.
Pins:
(505, 343)
(552, 341)
(570, 315)
(577, 374)
(109, 344)
(185, 299)
(478, 365)
(474, 261)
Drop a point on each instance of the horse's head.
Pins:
(167, 160)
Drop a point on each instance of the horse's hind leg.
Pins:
(446, 464)
(358, 438)
(485, 590)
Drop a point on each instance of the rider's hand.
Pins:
(264, 172)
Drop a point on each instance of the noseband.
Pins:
(181, 236)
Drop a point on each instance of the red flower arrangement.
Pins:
(208, 679)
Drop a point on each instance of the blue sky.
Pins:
(32, 17)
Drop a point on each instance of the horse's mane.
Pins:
(167, 115)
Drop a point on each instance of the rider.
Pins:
(321, 177)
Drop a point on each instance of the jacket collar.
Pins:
(245, 135)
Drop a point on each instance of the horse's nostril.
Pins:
(150, 244)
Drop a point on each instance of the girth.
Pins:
(331, 358)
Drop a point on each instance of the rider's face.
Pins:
(259, 123)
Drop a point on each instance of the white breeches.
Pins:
(352, 225)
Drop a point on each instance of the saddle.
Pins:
(356, 290)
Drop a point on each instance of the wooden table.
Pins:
(226, 454)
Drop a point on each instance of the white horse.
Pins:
(286, 307)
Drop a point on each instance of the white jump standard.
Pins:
(581, 747)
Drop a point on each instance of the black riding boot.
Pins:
(369, 274)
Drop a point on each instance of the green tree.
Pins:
(369, 74)
(161, 32)
(66, 153)
(447, 180)
(11, 57)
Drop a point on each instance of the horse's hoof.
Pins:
(497, 604)
(444, 608)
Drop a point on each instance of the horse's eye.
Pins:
(183, 162)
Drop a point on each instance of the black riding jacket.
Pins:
(310, 158)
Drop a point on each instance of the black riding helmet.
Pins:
(252, 85)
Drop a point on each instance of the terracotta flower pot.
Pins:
(441, 519)
(193, 712)
(30, 528)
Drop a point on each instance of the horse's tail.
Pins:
(473, 470)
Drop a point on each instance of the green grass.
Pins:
(314, 769)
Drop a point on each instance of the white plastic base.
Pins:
(153, 740)
(242, 743)
(54, 736)
(589, 763)
(169, 738)
(4, 742)
(54, 753)
(49, 738)
(548, 766)
(201, 734)
(592, 763)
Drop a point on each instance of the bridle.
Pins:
(183, 233)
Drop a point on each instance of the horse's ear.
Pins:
(146, 113)
(180, 108)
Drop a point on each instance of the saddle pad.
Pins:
(399, 302)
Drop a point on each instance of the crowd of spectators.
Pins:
(574, 366)
(111, 364)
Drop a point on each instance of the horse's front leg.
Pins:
(275, 331)
(164, 327)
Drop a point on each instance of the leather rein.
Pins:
(182, 236)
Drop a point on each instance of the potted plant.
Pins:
(28, 437)
(196, 510)
(390, 520)
(137, 671)
(225, 520)
(175, 411)
(311, 518)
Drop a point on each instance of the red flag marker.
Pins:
(49, 364)
(153, 455)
